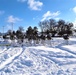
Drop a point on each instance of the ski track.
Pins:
(67, 50)
(3, 51)
(42, 55)
(10, 60)
(55, 58)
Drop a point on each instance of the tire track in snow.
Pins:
(3, 50)
(55, 59)
(67, 50)
(9, 60)
(36, 53)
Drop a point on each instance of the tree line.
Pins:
(49, 28)
(54, 27)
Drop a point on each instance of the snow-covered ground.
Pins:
(54, 59)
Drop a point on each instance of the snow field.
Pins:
(55, 59)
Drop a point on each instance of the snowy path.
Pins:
(10, 59)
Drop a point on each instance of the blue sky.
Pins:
(27, 13)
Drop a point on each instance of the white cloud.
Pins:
(12, 19)
(35, 5)
(2, 12)
(22, 0)
(74, 9)
(49, 15)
